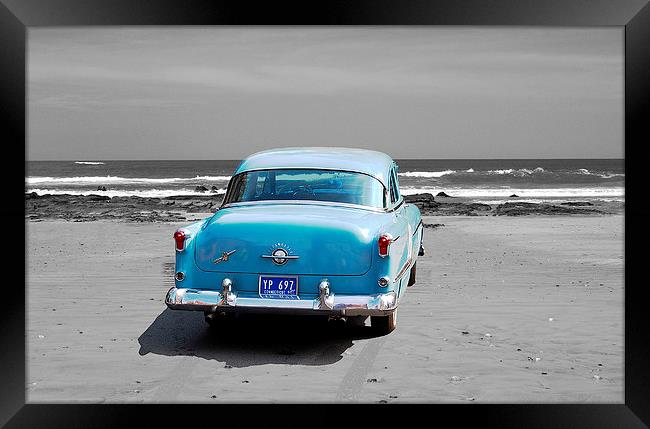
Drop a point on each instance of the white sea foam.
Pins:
(469, 170)
(89, 162)
(602, 175)
(493, 195)
(148, 193)
(507, 171)
(211, 178)
(610, 175)
(426, 173)
(543, 200)
(86, 180)
(516, 172)
(595, 192)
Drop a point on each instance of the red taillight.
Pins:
(384, 242)
(179, 238)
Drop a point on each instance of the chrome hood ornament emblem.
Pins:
(280, 254)
(224, 257)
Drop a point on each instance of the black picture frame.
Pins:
(634, 15)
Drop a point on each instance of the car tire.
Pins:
(384, 324)
(412, 276)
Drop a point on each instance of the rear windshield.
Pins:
(299, 184)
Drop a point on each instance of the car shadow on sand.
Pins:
(252, 339)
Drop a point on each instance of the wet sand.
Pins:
(547, 289)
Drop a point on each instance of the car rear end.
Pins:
(265, 258)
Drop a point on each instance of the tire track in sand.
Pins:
(355, 378)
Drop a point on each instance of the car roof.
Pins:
(373, 163)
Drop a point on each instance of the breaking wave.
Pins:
(427, 173)
(88, 180)
(540, 193)
(148, 193)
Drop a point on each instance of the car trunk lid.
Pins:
(324, 240)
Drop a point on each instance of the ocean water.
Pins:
(484, 180)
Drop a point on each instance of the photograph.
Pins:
(325, 214)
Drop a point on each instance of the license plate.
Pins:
(279, 287)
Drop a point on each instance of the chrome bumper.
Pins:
(326, 303)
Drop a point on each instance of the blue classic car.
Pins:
(321, 231)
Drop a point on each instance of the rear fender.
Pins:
(184, 261)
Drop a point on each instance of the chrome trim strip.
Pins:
(406, 266)
(394, 208)
(417, 227)
(281, 257)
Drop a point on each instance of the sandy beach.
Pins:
(505, 310)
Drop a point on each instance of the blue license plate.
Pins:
(279, 287)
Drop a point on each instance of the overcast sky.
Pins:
(414, 92)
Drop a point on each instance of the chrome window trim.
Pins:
(396, 207)
(312, 168)
(305, 202)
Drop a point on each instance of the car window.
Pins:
(396, 178)
(395, 183)
(393, 189)
(306, 184)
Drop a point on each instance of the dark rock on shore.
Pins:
(519, 208)
(419, 198)
(514, 196)
(425, 202)
(201, 188)
(79, 208)
(94, 197)
(442, 194)
(101, 188)
(577, 203)
(214, 189)
(465, 209)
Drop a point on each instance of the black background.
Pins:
(16, 15)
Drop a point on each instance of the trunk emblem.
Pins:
(224, 257)
(280, 256)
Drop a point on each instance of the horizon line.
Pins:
(397, 159)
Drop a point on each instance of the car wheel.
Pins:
(384, 324)
(412, 276)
